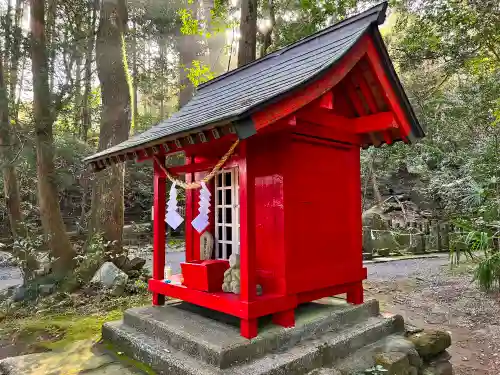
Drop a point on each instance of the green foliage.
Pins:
(199, 73)
(90, 260)
(190, 25)
(26, 247)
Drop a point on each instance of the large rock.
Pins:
(111, 277)
(430, 343)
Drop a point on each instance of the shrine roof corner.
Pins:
(234, 96)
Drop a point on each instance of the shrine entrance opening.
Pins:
(227, 213)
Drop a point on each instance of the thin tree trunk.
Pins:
(248, 32)
(10, 184)
(216, 42)
(50, 45)
(86, 118)
(77, 115)
(48, 199)
(16, 52)
(116, 115)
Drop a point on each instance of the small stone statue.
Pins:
(232, 277)
(206, 245)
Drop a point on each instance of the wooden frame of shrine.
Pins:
(300, 116)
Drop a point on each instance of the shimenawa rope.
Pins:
(208, 177)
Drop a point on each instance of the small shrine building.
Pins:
(272, 172)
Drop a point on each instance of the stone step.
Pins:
(298, 359)
(326, 351)
(215, 339)
(164, 359)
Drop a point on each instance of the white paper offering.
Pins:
(200, 222)
(173, 218)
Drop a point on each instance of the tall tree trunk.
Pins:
(86, 119)
(248, 32)
(10, 184)
(116, 115)
(48, 199)
(135, 75)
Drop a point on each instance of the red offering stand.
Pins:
(204, 275)
(288, 195)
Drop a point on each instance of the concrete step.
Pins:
(298, 359)
(215, 338)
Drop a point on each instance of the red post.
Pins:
(285, 318)
(190, 207)
(355, 294)
(247, 239)
(159, 229)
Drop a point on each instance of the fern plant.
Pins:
(487, 273)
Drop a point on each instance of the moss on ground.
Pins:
(50, 330)
(128, 360)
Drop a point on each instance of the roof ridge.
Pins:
(379, 8)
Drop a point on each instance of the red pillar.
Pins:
(190, 203)
(248, 327)
(159, 229)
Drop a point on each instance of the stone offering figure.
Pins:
(232, 277)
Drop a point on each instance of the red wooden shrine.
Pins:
(298, 194)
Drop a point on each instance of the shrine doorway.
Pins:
(227, 213)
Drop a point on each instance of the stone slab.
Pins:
(215, 338)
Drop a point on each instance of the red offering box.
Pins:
(204, 275)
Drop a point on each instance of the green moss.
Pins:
(57, 331)
(129, 361)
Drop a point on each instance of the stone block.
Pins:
(396, 363)
(417, 244)
(46, 289)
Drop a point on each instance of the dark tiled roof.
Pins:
(238, 93)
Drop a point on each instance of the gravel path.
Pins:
(428, 267)
(428, 294)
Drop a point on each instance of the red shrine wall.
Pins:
(307, 212)
(323, 214)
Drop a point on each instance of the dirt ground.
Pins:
(430, 295)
